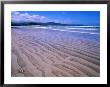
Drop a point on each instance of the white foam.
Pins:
(41, 27)
(86, 26)
(72, 31)
(82, 28)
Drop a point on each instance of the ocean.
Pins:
(85, 32)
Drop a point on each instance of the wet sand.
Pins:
(48, 53)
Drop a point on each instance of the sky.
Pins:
(68, 17)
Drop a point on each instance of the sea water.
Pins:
(85, 32)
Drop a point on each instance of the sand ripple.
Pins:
(41, 55)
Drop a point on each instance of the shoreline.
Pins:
(44, 53)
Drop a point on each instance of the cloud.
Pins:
(26, 17)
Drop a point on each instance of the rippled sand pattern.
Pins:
(38, 54)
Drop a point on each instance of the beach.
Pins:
(52, 53)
